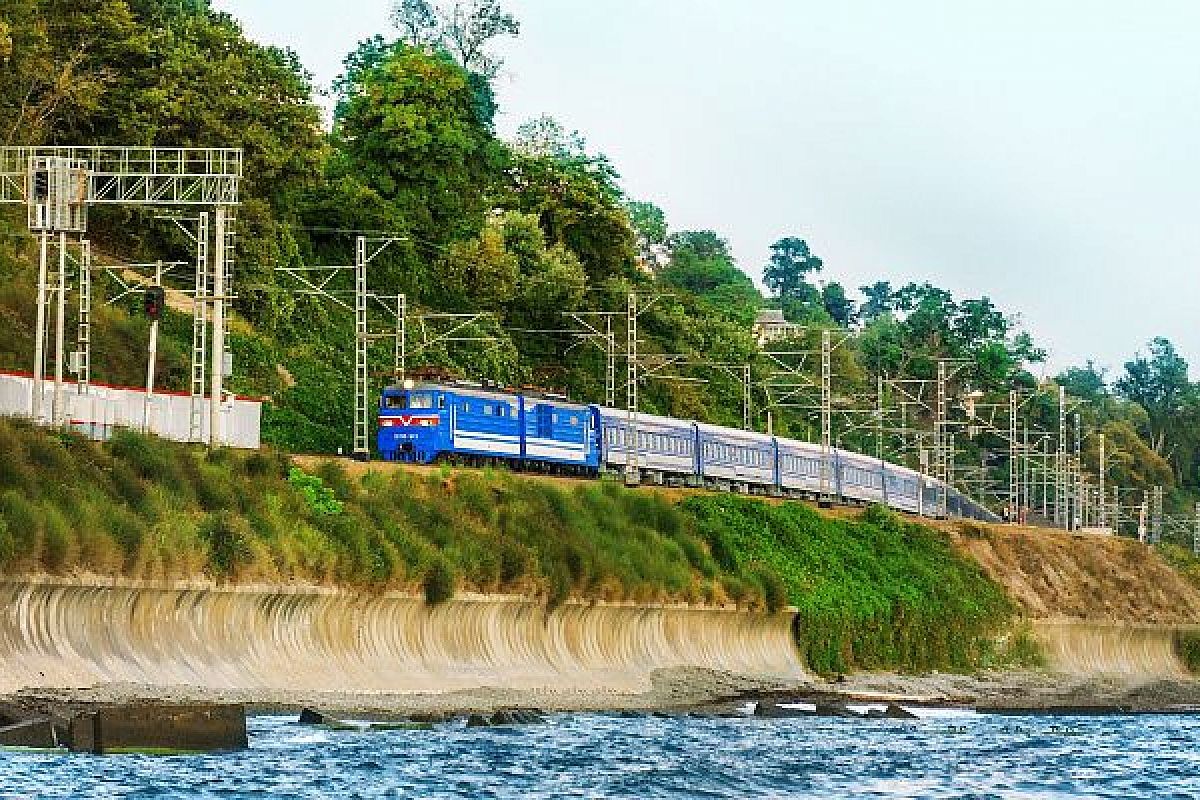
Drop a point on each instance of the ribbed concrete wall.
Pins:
(1089, 648)
(70, 635)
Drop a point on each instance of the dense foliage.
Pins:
(875, 592)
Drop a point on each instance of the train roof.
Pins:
(488, 392)
(621, 414)
(736, 433)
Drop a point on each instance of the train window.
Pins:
(441, 400)
(487, 409)
(574, 421)
(395, 401)
(420, 400)
(554, 418)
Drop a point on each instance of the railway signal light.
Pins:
(155, 300)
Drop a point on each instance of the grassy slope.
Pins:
(873, 592)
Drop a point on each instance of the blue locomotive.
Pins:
(426, 422)
(422, 423)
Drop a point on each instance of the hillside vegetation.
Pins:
(873, 592)
(517, 229)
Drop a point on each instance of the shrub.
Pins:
(1187, 647)
(774, 592)
(228, 538)
(515, 562)
(439, 582)
(320, 498)
(58, 540)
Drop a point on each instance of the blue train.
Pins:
(427, 422)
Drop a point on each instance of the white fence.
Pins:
(104, 409)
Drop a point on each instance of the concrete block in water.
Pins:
(81, 733)
(160, 728)
(37, 733)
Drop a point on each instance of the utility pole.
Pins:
(1196, 530)
(631, 391)
(1077, 473)
(1014, 487)
(879, 417)
(60, 330)
(1116, 510)
(1103, 521)
(1060, 483)
(1156, 515)
(610, 367)
(39, 340)
(939, 425)
(400, 353)
(199, 329)
(746, 412)
(1046, 479)
(151, 356)
(218, 324)
(83, 335)
(950, 459)
(362, 447)
(1026, 492)
(826, 415)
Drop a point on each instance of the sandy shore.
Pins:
(676, 689)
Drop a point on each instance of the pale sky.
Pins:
(1042, 153)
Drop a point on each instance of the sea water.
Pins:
(947, 755)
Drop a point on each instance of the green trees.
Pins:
(786, 274)
(650, 224)
(412, 132)
(575, 197)
(1159, 384)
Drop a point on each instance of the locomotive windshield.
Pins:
(395, 401)
(420, 400)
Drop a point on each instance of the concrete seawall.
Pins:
(1137, 651)
(60, 634)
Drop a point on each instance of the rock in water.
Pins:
(896, 712)
(310, 716)
(837, 710)
(771, 710)
(478, 721)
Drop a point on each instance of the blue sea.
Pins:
(943, 755)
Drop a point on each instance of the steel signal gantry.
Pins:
(58, 185)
